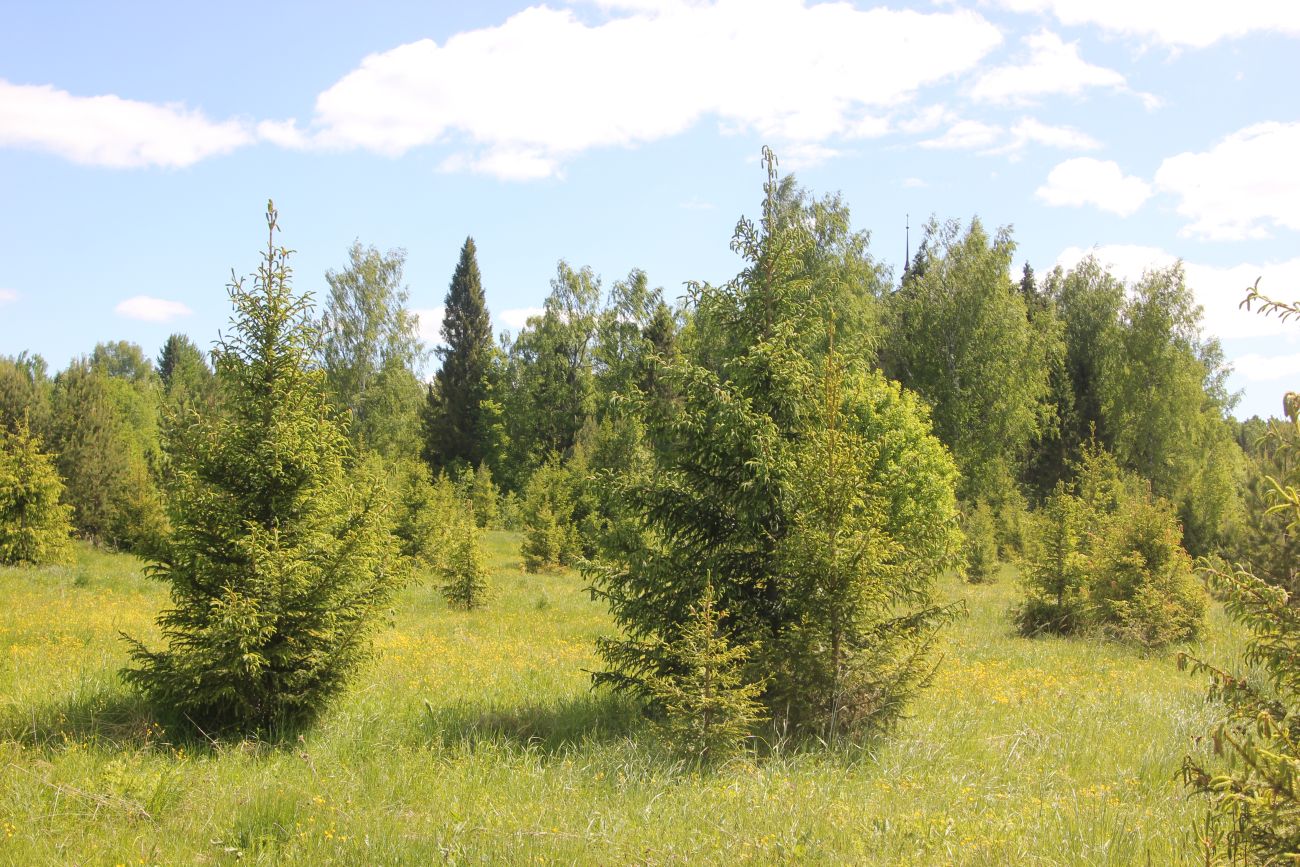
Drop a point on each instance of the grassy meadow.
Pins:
(473, 738)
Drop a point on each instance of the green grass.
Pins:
(473, 738)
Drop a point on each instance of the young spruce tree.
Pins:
(806, 489)
(281, 559)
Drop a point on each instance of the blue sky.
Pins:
(140, 141)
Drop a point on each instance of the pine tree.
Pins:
(34, 524)
(456, 429)
(484, 498)
(281, 559)
(981, 549)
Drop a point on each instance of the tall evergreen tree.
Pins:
(281, 557)
(456, 422)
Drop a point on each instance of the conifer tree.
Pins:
(281, 559)
(464, 571)
(456, 428)
(708, 707)
(804, 487)
(1251, 779)
(34, 524)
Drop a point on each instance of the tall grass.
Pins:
(473, 738)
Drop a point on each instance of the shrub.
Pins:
(1109, 558)
(280, 560)
(34, 524)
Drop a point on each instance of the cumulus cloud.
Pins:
(516, 100)
(516, 318)
(1087, 181)
(149, 309)
(1050, 66)
(1218, 289)
(8, 296)
(110, 131)
(1178, 23)
(1241, 187)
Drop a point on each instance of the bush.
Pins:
(34, 524)
(981, 548)
(1109, 559)
(280, 560)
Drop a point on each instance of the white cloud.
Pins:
(1087, 181)
(1029, 131)
(149, 309)
(110, 131)
(517, 318)
(1052, 66)
(1254, 367)
(1218, 289)
(965, 134)
(430, 324)
(929, 118)
(284, 133)
(1240, 187)
(1183, 23)
(805, 155)
(914, 184)
(518, 99)
(8, 296)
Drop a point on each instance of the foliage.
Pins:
(805, 488)
(1109, 558)
(464, 570)
(960, 336)
(370, 349)
(25, 393)
(1253, 785)
(708, 709)
(550, 387)
(981, 548)
(105, 431)
(281, 560)
(550, 536)
(484, 498)
(424, 510)
(456, 419)
(34, 524)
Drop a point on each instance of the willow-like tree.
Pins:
(281, 558)
(802, 487)
(456, 421)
